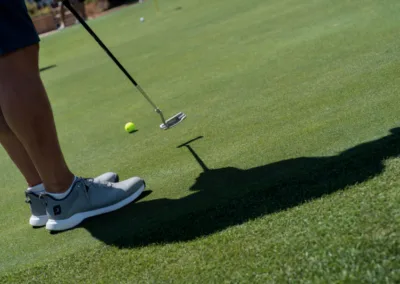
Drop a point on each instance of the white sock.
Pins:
(37, 188)
(64, 194)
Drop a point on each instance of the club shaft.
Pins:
(67, 4)
(148, 98)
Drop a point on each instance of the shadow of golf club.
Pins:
(47, 68)
(230, 196)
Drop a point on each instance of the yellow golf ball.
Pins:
(129, 127)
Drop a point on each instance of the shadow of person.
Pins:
(230, 196)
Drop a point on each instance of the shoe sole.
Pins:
(62, 225)
(38, 221)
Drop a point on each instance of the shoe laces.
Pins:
(42, 196)
(28, 199)
(88, 182)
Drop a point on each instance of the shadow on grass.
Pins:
(47, 68)
(230, 196)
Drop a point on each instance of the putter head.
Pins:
(173, 121)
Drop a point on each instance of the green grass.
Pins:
(297, 103)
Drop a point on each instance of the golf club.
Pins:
(166, 124)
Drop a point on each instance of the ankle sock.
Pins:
(37, 188)
(64, 194)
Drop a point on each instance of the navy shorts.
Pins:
(16, 27)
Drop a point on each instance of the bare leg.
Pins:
(81, 8)
(18, 154)
(27, 112)
(62, 15)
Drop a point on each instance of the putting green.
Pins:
(294, 180)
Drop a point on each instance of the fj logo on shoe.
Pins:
(57, 210)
